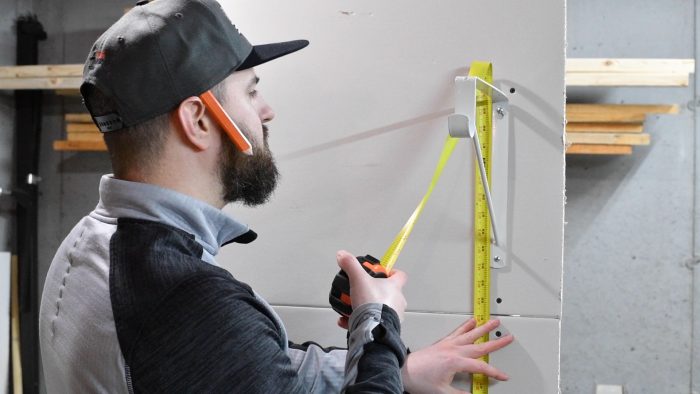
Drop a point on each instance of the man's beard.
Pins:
(249, 179)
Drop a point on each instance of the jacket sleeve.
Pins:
(375, 351)
(210, 334)
(372, 364)
(321, 369)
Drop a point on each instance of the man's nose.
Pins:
(266, 113)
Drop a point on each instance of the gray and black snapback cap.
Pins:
(161, 52)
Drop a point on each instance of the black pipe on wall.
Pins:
(27, 135)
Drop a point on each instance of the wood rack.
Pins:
(591, 128)
(608, 129)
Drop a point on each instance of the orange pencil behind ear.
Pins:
(225, 121)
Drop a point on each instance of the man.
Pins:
(134, 300)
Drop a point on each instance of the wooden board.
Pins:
(78, 118)
(604, 127)
(64, 145)
(608, 138)
(82, 128)
(45, 76)
(628, 79)
(40, 83)
(84, 137)
(634, 113)
(67, 92)
(42, 71)
(581, 149)
(607, 65)
(629, 72)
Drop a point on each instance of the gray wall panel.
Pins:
(627, 299)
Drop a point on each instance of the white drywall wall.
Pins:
(361, 117)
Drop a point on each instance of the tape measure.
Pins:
(482, 221)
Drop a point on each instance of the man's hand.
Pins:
(431, 370)
(365, 289)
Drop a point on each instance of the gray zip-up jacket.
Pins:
(135, 302)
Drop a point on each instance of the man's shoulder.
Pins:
(151, 263)
(152, 256)
(152, 235)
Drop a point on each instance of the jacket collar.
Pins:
(209, 225)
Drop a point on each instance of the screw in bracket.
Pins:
(501, 112)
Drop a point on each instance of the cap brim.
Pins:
(264, 53)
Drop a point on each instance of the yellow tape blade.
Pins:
(397, 245)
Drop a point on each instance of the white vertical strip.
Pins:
(695, 302)
(4, 321)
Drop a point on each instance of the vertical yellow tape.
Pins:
(482, 221)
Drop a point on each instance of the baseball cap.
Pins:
(163, 51)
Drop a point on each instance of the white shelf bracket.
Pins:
(462, 124)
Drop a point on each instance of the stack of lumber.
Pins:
(609, 129)
(614, 129)
(81, 134)
(628, 72)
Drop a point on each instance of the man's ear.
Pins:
(195, 127)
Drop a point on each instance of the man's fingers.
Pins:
(350, 265)
(399, 277)
(478, 332)
(476, 351)
(471, 365)
(463, 328)
(343, 322)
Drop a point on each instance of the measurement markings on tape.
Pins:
(482, 220)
